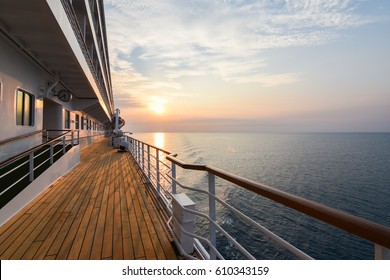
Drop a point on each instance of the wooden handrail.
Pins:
(21, 137)
(368, 230)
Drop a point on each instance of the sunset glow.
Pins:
(157, 108)
(251, 65)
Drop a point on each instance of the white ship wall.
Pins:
(17, 72)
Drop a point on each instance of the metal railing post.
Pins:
(72, 138)
(143, 157)
(51, 154)
(149, 162)
(138, 152)
(63, 145)
(158, 170)
(173, 169)
(135, 150)
(381, 252)
(31, 166)
(212, 211)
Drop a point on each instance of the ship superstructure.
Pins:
(54, 69)
(54, 79)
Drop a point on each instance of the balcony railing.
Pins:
(160, 167)
(19, 171)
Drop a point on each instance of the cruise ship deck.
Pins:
(101, 209)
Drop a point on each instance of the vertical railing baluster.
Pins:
(158, 170)
(212, 213)
(139, 153)
(63, 145)
(72, 138)
(173, 169)
(31, 166)
(143, 157)
(51, 153)
(382, 253)
(136, 151)
(149, 162)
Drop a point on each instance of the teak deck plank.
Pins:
(101, 209)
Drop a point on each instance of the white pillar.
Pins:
(117, 119)
(183, 219)
(382, 253)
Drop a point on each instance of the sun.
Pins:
(157, 107)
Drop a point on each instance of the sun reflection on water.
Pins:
(159, 139)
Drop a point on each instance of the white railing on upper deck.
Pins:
(153, 163)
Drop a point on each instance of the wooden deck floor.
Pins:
(101, 209)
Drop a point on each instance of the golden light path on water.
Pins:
(159, 139)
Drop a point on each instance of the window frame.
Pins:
(82, 122)
(25, 107)
(67, 119)
(77, 121)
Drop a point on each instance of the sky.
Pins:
(250, 66)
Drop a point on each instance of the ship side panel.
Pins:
(17, 72)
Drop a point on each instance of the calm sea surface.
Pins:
(350, 172)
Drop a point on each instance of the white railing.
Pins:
(17, 164)
(153, 162)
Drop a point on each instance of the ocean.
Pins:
(346, 171)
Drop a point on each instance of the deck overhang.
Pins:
(41, 29)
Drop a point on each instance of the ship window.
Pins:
(67, 119)
(77, 121)
(24, 108)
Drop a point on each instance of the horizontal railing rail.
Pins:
(13, 139)
(149, 158)
(371, 231)
(20, 170)
(61, 137)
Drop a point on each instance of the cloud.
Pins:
(155, 44)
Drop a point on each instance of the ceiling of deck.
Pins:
(35, 30)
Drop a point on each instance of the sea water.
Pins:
(346, 171)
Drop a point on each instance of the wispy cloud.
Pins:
(154, 44)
